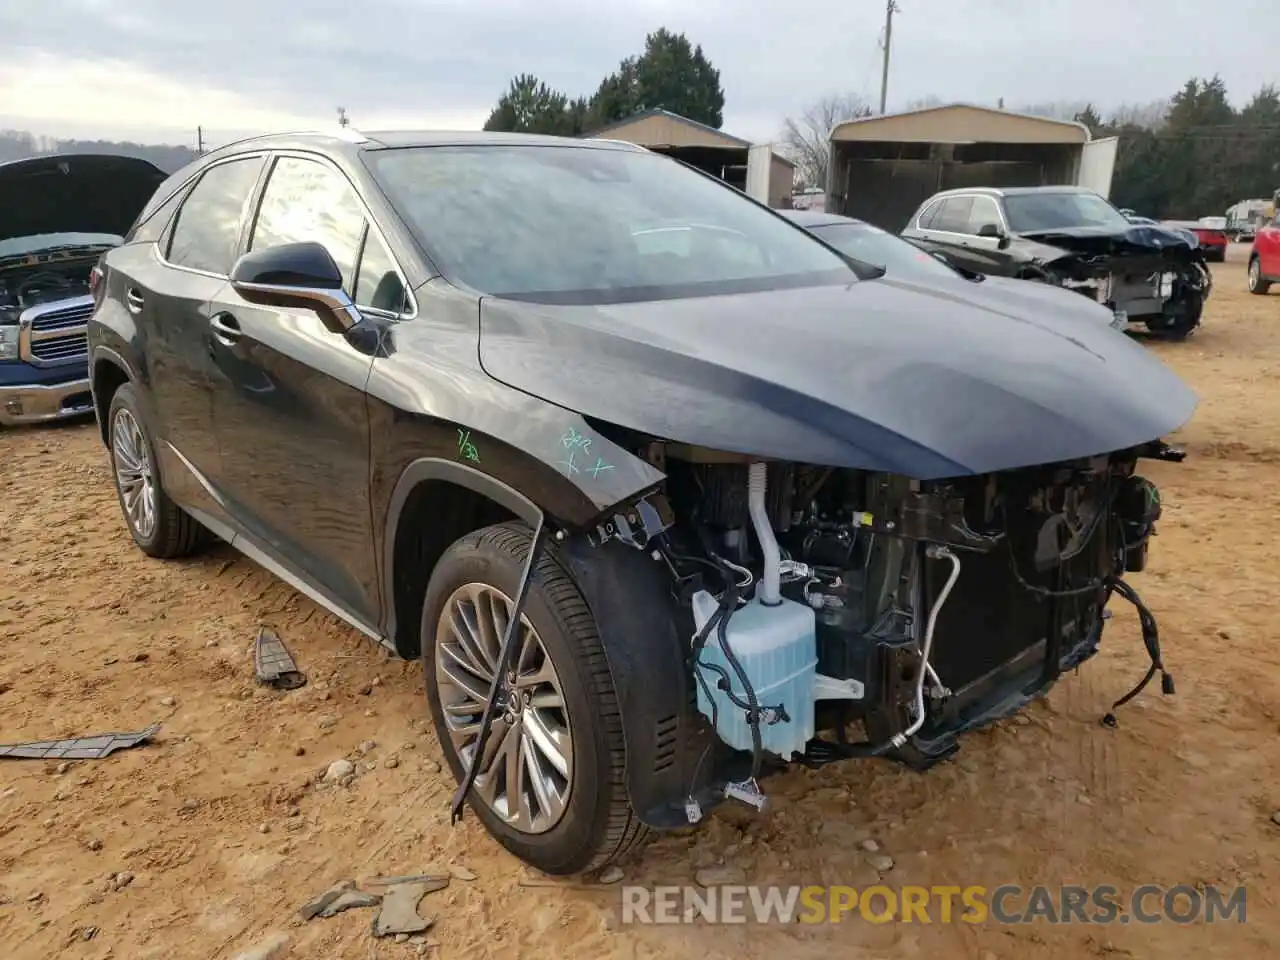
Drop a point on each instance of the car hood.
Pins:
(1136, 238)
(74, 193)
(879, 375)
(1021, 298)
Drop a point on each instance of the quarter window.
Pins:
(953, 215)
(378, 285)
(925, 220)
(206, 234)
(307, 201)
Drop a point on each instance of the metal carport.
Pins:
(754, 168)
(883, 167)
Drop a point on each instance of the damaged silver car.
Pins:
(1073, 238)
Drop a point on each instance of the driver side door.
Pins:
(289, 403)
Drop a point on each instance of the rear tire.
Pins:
(159, 527)
(593, 822)
(1257, 282)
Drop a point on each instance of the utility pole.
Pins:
(891, 7)
(342, 117)
(200, 140)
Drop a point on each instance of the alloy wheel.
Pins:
(1255, 274)
(527, 772)
(135, 477)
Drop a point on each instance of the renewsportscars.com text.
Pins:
(1006, 904)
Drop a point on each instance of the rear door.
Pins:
(168, 287)
(289, 392)
(953, 230)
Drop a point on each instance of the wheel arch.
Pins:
(434, 503)
(109, 373)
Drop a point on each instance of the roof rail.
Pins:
(349, 134)
(622, 143)
(337, 132)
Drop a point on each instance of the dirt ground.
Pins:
(224, 834)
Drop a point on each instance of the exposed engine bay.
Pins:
(23, 285)
(822, 599)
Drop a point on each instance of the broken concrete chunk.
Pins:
(338, 770)
(399, 913)
(461, 872)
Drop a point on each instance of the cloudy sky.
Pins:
(152, 70)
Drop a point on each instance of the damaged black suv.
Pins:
(1073, 238)
(664, 491)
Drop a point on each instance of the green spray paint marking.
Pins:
(575, 444)
(466, 449)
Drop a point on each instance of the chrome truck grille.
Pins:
(52, 334)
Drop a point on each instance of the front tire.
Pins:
(559, 735)
(159, 527)
(1257, 282)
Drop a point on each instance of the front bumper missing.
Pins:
(44, 403)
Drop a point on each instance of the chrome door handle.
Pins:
(133, 300)
(225, 327)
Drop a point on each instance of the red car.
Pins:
(1212, 234)
(1264, 258)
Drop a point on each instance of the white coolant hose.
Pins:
(770, 580)
(936, 552)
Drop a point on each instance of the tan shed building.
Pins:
(710, 150)
(883, 167)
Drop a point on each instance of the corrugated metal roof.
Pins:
(659, 112)
(994, 111)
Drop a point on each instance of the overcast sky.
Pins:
(152, 70)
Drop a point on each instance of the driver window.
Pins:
(982, 213)
(307, 201)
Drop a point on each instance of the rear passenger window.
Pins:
(307, 201)
(207, 231)
(953, 215)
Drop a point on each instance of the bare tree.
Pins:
(807, 137)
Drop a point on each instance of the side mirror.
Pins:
(990, 230)
(295, 275)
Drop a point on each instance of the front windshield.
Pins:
(17, 246)
(1033, 212)
(582, 225)
(896, 256)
